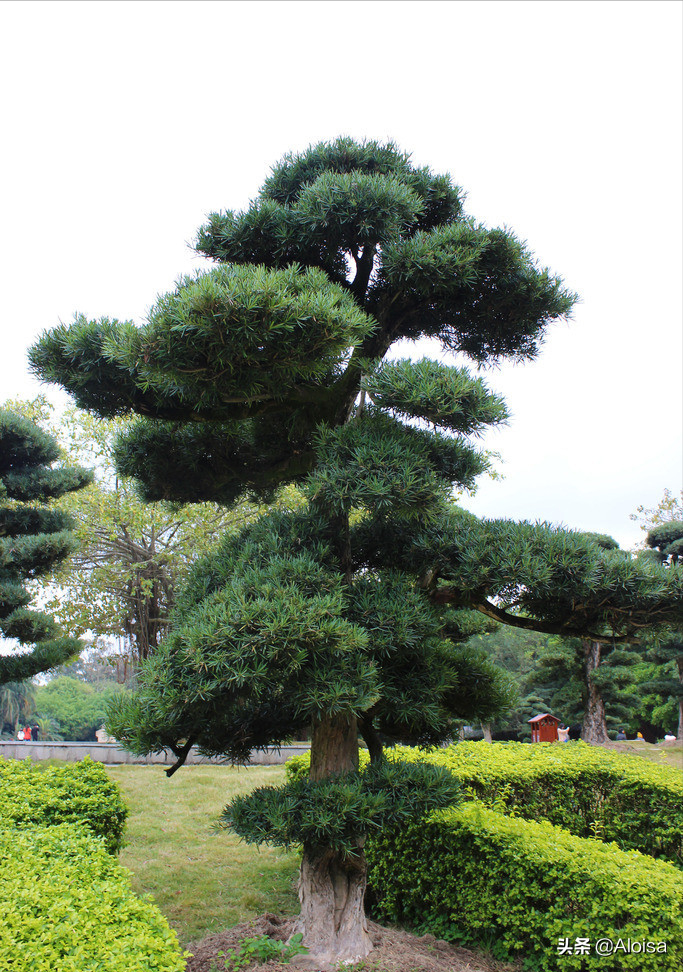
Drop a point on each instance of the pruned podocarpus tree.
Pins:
(33, 538)
(665, 541)
(344, 616)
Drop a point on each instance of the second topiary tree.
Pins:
(34, 536)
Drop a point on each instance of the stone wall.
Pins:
(112, 753)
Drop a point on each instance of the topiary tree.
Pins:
(347, 615)
(33, 538)
(590, 682)
(131, 555)
(666, 541)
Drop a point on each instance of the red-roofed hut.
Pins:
(544, 728)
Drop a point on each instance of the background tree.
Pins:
(17, 705)
(579, 677)
(269, 369)
(666, 539)
(606, 690)
(77, 709)
(34, 536)
(670, 507)
(516, 652)
(131, 555)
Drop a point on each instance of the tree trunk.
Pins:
(486, 729)
(332, 918)
(594, 729)
(372, 741)
(331, 885)
(679, 734)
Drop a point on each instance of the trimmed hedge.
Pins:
(76, 793)
(66, 906)
(590, 791)
(476, 874)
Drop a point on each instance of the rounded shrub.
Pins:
(67, 905)
(471, 873)
(79, 793)
(589, 791)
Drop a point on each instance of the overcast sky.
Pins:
(125, 123)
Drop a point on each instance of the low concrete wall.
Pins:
(112, 753)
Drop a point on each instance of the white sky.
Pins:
(125, 123)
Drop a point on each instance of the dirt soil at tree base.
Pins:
(394, 951)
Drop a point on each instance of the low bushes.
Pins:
(590, 791)
(476, 874)
(66, 904)
(75, 793)
(587, 790)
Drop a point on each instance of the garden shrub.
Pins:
(476, 875)
(66, 906)
(75, 793)
(589, 791)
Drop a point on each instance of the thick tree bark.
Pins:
(486, 729)
(594, 729)
(332, 885)
(332, 918)
(334, 747)
(679, 734)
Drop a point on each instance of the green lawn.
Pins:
(203, 880)
(666, 754)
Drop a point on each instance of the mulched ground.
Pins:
(394, 951)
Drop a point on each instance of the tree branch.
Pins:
(182, 753)
(364, 267)
(530, 624)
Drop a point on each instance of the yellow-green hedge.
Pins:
(471, 873)
(74, 793)
(585, 789)
(66, 906)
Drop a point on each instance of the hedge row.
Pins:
(76, 793)
(476, 874)
(66, 905)
(590, 791)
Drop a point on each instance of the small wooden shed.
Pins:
(544, 728)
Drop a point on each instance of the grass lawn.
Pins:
(666, 754)
(203, 880)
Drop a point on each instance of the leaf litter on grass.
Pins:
(394, 951)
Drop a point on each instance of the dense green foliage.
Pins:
(78, 708)
(335, 812)
(267, 620)
(516, 652)
(344, 615)
(589, 791)
(561, 678)
(666, 648)
(78, 793)
(67, 905)
(34, 536)
(667, 540)
(476, 874)
(131, 555)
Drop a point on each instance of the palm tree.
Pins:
(17, 703)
